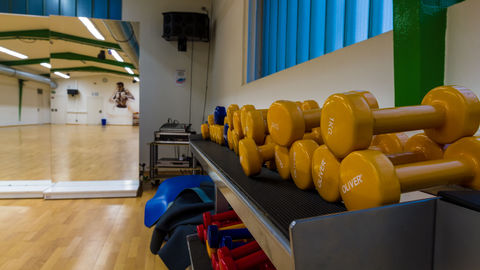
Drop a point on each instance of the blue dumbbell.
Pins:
(219, 115)
(225, 133)
(215, 236)
(227, 241)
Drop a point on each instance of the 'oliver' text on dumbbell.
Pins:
(357, 180)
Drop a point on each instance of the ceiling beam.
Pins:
(25, 62)
(67, 56)
(93, 69)
(45, 34)
(82, 57)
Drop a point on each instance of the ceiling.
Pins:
(69, 56)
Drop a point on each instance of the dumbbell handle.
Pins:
(415, 176)
(267, 151)
(406, 157)
(244, 250)
(312, 118)
(251, 260)
(406, 118)
(225, 215)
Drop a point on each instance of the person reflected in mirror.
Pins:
(121, 96)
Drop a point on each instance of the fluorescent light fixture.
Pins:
(136, 79)
(129, 70)
(65, 76)
(116, 55)
(13, 53)
(93, 30)
(47, 65)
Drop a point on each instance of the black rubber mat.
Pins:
(279, 200)
(468, 199)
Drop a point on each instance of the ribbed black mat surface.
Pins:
(280, 200)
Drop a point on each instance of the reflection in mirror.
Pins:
(25, 103)
(96, 103)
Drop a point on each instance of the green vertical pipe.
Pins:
(20, 98)
(419, 47)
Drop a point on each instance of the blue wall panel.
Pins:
(291, 44)
(282, 34)
(4, 6)
(68, 8)
(19, 6)
(52, 7)
(272, 51)
(84, 8)
(35, 7)
(317, 28)
(381, 17)
(103, 9)
(376, 18)
(303, 43)
(115, 10)
(100, 9)
(266, 37)
(258, 40)
(251, 47)
(335, 23)
(356, 21)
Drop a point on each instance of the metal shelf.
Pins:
(302, 231)
(198, 254)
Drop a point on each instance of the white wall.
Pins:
(35, 107)
(366, 65)
(462, 59)
(159, 59)
(96, 86)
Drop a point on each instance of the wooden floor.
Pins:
(69, 152)
(76, 234)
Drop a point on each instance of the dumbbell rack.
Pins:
(298, 230)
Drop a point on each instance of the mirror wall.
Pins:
(25, 149)
(83, 124)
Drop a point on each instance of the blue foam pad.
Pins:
(167, 192)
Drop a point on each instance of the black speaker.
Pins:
(72, 92)
(185, 26)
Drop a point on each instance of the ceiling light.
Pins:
(13, 53)
(116, 55)
(91, 28)
(129, 70)
(136, 79)
(47, 65)
(65, 76)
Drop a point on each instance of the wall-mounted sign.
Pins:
(180, 77)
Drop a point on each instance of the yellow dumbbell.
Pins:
(235, 140)
(287, 122)
(237, 124)
(369, 179)
(230, 110)
(326, 167)
(282, 161)
(315, 134)
(447, 113)
(252, 157)
(256, 125)
(270, 164)
(308, 105)
(300, 155)
(211, 120)
(205, 131)
(229, 138)
(217, 134)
